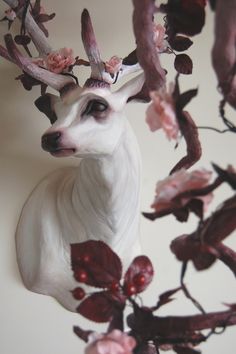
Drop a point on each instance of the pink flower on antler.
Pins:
(60, 61)
(113, 65)
(115, 342)
(161, 113)
(10, 14)
(158, 36)
(168, 190)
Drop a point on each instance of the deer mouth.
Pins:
(63, 152)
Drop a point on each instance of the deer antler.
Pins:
(91, 47)
(38, 37)
(93, 53)
(56, 81)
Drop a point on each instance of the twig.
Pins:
(186, 291)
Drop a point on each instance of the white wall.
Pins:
(36, 324)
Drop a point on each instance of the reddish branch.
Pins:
(227, 256)
(146, 50)
(190, 133)
(171, 328)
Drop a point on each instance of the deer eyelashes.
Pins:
(96, 108)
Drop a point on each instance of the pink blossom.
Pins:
(10, 14)
(115, 342)
(60, 60)
(113, 65)
(179, 182)
(161, 114)
(158, 36)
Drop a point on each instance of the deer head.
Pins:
(81, 117)
(91, 125)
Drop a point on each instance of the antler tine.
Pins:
(146, 50)
(56, 81)
(38, 37)
(91, 47)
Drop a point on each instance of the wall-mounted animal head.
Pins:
(86, 121)
(91, 125)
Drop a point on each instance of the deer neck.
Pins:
(106, 194)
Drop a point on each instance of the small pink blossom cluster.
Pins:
(60, 60)
(179, 182)
(161, 113)
(115, 342)
(10, 14)
(113, 65)
(57, 61)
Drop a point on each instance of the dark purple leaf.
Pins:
(202, 246)
(185, 247)
(98, 307)
(196, 206)
(44, 17)
(185, 98)
(180, 43)
(166, 297)
(44, 105)
(79, 62)
(181, 214)
(131, 59)
(183, 64)
(228, 175)
(221, 224)
(28, 81)
(139, 274)
(81, 333)
(36, 7)
(101, 265)
(203, 260)
(22, 40)
(185, 16)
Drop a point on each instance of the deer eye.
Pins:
(95, 107)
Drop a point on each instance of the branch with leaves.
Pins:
(181, 193)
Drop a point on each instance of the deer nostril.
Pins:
(51, 141)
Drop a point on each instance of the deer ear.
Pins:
(131, 88)
(45, 104)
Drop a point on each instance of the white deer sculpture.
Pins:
(99, 199)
